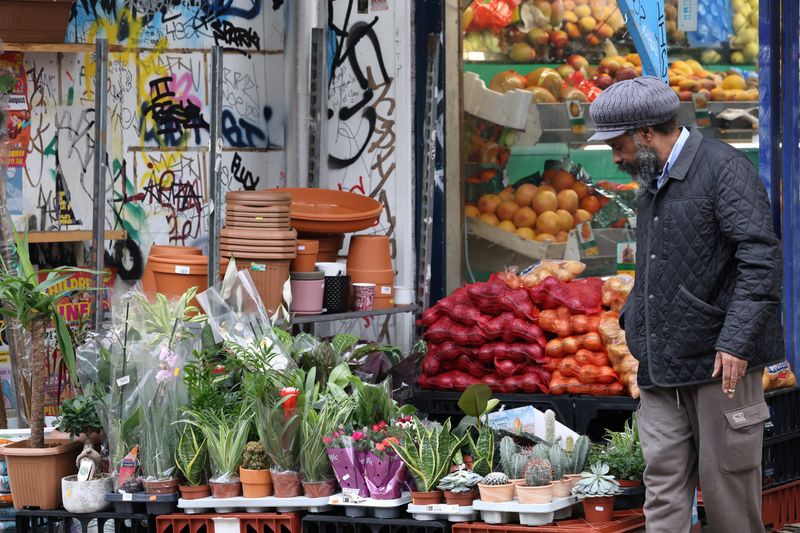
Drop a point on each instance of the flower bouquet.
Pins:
(347, 451)
(384, 471)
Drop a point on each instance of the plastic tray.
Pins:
(529, 514)
(623, 521)
(255, 505)
(229, 523)
(371, 507)
(152, 504)
(442, 512)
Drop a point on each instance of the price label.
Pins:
(183, 270)
(442, 508)
(124, 380)
(127, 497)
(577, 122)
(386, 290)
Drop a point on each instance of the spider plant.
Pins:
(226, 437)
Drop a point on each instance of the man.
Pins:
(703, 318)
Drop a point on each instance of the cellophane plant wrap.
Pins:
(347, 451)
(384, 471)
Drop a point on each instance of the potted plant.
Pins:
(460, 487)
(623, 454)
(254, 472)
(318, 476)
(496, 488)
(427, 450)
(79, 418)
(36, 467)
(191, 459)
(538, 488)
(279, 432)
(577, 450)
(597, 488)
(86, 492)
(512, 459)
(384, 471)
(226, 437)
(476, 402)
(560, 463)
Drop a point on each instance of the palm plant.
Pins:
(32, 304)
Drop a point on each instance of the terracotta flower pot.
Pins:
(175, 274)
(535, 495)
(307, 252)
(226, 489)
(268, 273)
(162, 486)
(258, 197)
(573, 479)
(194, 492)
(35, 473)
(369, 252)
(287, 484)
(319, 489)
(598, 509)
(384, 285)
(628, 483)
(329, 245)
(461, 498)
(497, 493)
(148, 280)
(255, 483)
(562, 488)
(427, 498)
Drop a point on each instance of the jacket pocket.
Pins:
(629, 321)
(694, 326)
(744, 432)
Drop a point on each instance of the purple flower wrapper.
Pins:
(348, 470)
(385, 476)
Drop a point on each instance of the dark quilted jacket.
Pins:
(708, 269)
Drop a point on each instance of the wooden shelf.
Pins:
(64, 48)
(71, 236)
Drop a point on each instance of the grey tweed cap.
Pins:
(630, 104)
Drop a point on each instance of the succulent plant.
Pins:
(496, 478)
(550, 427)
(558, 460)
(539, 473)
(596, 483)
(255, 457)
(462, 480)
(579, 454)
(540, 451)
(507, 450)
(518, 462)
(569, 444)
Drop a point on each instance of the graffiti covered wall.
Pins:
(370, 123)
(158, 124)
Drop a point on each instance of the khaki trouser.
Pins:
(699, 430)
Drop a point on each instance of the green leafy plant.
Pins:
(191, 455)
(225, 437)
(160, 316)
(316, 425)
(462, 480)
(476, 402)
(255, 457)
(538, 473)
(31, 304)
(279, 406)
(596, 483)
(428, 450)
(623, 452)
(78, 415)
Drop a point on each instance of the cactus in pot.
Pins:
(254, 472)
(496, 488)
(538, 488)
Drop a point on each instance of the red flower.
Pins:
(218, 370)
(291, 393)
(327, 440)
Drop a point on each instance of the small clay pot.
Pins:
(628, 483)
(194, 493)
(369, 252)
(226, 489)
(164, 486)
(287, 484)
(461, 498)
(319, 489)
(573, 479)
(497, 493)
(427, 498)
(255, 483)
(562, 488)
(148, 280)
(598, 509)
(535, 495)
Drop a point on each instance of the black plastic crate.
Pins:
(595, 414)
(439, 405)
(51, 521)
(780, 462)
(784, 410)
(315, 523)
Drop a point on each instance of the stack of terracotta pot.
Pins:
(258, 235)
(370, 261)
(172, 270)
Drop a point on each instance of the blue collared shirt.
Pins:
(673, 156)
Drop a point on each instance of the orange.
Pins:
(471, 211)
(525, 217)
(547, 187)
(565, 219)
(563, 180)
(524, 194)
(507, 225)
(590, 204)
(488, 203)
(490, 218)
(526, 233)
(568, 200)
(506, 210)
(545, 201)
(548, 222)
(562, 236)
(582, 215)
(545, 237)
(581, 189)
(507, 195)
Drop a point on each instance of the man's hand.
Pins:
(733, 370)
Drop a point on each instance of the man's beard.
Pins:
(645, 166)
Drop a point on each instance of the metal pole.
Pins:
(99, 205)
(214, 166)
(317, 105)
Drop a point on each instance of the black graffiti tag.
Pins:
(242, 175)
(172, 116)
(227, 33)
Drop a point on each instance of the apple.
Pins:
(578, 62)
(538, 37)
(559, 38)
(565, 71)
(610, 65)
(625, 74)
(603, 81)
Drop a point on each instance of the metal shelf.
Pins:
(315, 319)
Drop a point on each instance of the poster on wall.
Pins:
(76, 309)
(19, 112)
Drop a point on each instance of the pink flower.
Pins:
(327, 440)
(357, 436)
(218, 370)
(163, 375)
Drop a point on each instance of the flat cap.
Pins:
(629, 104)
